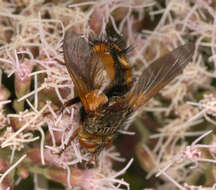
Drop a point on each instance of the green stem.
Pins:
(143, 131)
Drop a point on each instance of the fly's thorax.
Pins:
(93, 143)
(95, 100)
(107, 119)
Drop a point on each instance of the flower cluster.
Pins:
(38, 137)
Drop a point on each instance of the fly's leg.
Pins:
(59, 62)
(109, 144)
(92, 160)
(67, 104)
(72, 137)
(70, 103)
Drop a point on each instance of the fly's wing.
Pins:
(159, 74)
(83, 65)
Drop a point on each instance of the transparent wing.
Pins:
(83, 64)
(159, 74)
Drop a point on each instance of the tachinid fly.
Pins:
(103, 80)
